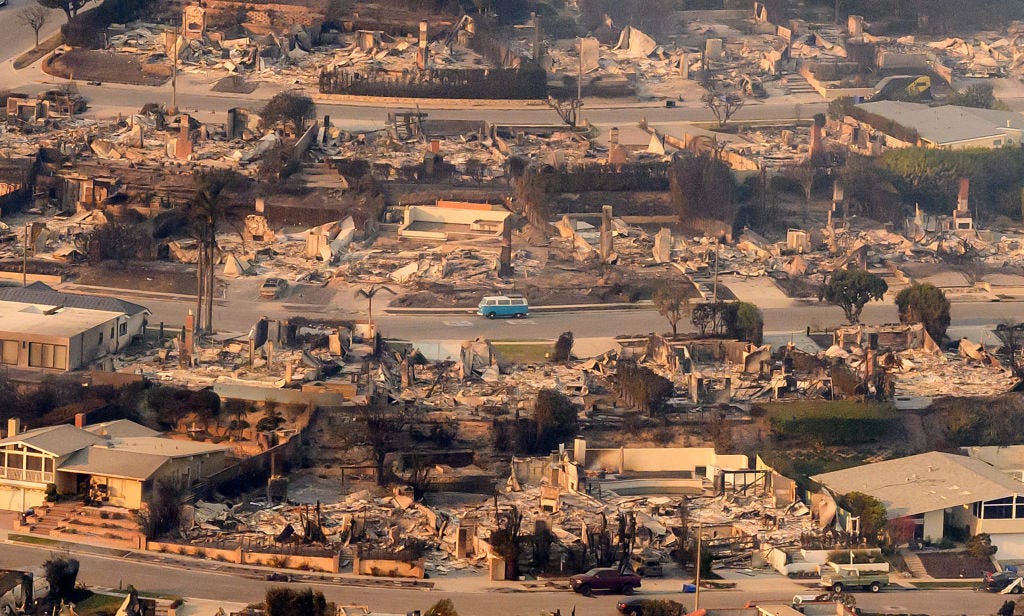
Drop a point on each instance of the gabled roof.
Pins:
(136, 457)
(949, 123)
(925, 482)
(56, 440)
(39, 293)
(120, 428)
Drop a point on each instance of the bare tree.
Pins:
(33, 16)
(722, 106)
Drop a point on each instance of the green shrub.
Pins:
(831, 423)
(662, 607)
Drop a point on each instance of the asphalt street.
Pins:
(238, 315)
(474, 600)
(17, 36)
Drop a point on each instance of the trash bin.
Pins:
(689, 588)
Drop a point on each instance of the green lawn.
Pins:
(33, 540)
(96, 603)
(524, 352)
(951, 584)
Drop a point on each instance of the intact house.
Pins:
(892, 124)
(115, 463)
(48, 330)
(945, 494)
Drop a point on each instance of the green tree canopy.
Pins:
(979, 96)
(556, 418)
(871, 512)
(61, 573)
(672, 302)
(289, 108)
(749, 323)
(852, 289)
(444, 607)
(702, 187)
(927, 304)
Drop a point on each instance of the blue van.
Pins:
(514, 306)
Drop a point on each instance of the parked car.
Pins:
(605, 579)
(637, 607)
(3, 2)
(493, 306)
(273, 288)
(997, 582)
(648, 566)
(848, 579)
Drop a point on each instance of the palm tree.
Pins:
(368, 293)
(205, 215)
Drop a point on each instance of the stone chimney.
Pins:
(13, 427)
(815, 141)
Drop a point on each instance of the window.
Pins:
(9, 352)
(123, 329)
(42, 355)
(101, 337)
(504, 302)
(998, 509)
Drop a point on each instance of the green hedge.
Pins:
(830, 423)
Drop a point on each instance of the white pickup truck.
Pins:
(847, 579)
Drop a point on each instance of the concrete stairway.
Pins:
(56, 515)
(914, 564)
(797, 84)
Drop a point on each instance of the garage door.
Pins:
(10, 499)
(1011, 545)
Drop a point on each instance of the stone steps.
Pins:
(915, 565)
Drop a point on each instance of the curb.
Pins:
(641, 305)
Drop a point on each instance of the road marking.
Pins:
(522, 322)
(459, 323)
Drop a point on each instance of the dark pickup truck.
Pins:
(605, 579)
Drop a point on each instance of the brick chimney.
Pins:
(13, 427)
(80, 420)
(962, 201)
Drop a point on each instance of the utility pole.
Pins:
(174, 72)
(714, 295)
(579, 75)
(696, 592)
(24, 260)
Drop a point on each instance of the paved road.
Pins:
(239, 314)
(471, 599)
(110, 99)
(17, 37)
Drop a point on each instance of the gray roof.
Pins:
(57, 440)
(949, 123)
(112, 462)
(926, 482)
(39, 293)
(120, 428)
